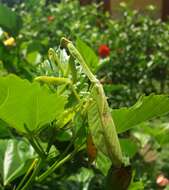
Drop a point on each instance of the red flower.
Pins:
(104, 51)
(50, 18)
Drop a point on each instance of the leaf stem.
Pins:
(39, 145)
(26, 175)
(53, 168)
(33, 143)
(35, 172)
(37, 149)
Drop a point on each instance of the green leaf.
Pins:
(34, 46)
(9, 20)
(33, 57)
(146, 108)
(167, 188)
(83, 176)
(4, 130)
(102, 127)
(129, 148)
(15, 158)
(136, 186)
(63, 135)
(3, 52)
(155, 130)
(24, 103)
(88, 54)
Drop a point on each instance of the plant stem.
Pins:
(39, 145)
(53, 168)
(40, 153)
(26, 175)
(35, 172)
(33, 143)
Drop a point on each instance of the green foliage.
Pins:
(145, 109)
(139, 57)
(89, 55)
(156, 130)
(15, 158)
(136, 186)
(23, 103)
(4, 130)
(9, 20)
(129, 148)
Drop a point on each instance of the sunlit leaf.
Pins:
(129, 148)
(15, 158)
(136, 186)
(24, 103)
(146, 108)
(88, 54)
(33, 57)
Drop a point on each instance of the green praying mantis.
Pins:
(105, 131)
